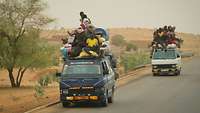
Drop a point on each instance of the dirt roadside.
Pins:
(23, 99)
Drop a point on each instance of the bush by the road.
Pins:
(131, 46)
(43, 82)
(118, 40)
(131, 60)
(39, 90)
(47, 79)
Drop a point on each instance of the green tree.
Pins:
(20, 45)
(118, 40)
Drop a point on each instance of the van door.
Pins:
(110, 77)
(178, 56)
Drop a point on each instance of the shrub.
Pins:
(53, 77)
(130, 61)
(39, 90)
(48, 79)
(118, 40)
(55, 61)
(130, 46)
(44, 81)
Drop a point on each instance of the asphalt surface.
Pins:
(160, 94)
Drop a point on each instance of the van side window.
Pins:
(108, 67)
(105, 67)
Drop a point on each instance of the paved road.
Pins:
(162, 94)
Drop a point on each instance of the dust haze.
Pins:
(184, 14)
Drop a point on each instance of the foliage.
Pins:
(130, 46)
(55, 61)
(56, 55)
(39, 90)
(44, 81)
(20, 45)
(130, 61)
(118, 40)
(47, 79)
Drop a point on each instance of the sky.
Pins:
(184, 14)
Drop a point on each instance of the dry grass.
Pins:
(19, 100)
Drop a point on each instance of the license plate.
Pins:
(81, 97)
(164, 70)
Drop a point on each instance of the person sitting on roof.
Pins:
(93, 43)
(85, 21)
(161, 38)
(66, 49)
(79, 42)
(83, 16)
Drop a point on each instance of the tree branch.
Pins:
(21, 75)
(21, 30)
(18, 74)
